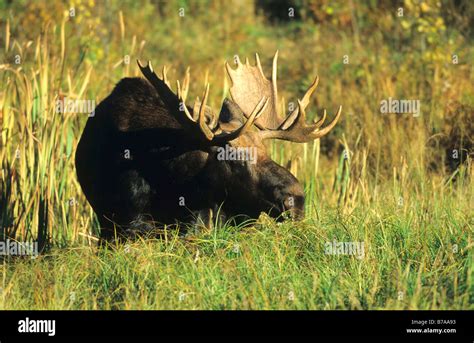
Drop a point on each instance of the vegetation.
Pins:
(398, 183)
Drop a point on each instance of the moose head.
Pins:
(205, 160)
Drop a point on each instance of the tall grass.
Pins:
(369, 181)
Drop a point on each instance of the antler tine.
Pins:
(319, 123)
(310, 91)
(300, 122)
(178, 88)
(237, 60)
(305, 101)
(259, 65)
(202, 118)
(186, 111)
(320, 133)
(274, 74)
(229, 70)
(185, 88)
(164, 77)
(196, 107)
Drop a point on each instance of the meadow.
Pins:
(399, 184)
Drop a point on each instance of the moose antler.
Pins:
(248, 79)
(196, 122)
(249, 84)
(298, 131)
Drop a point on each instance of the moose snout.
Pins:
(293, 207)
(288, 207)
(285, 194)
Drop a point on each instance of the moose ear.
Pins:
(230, 112)
(231, 116)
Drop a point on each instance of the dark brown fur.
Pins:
(166, 166)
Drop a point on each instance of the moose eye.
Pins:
(293, 201)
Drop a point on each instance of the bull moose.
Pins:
(146, 158)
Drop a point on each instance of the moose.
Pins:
(146, 158)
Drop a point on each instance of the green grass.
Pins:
(415, 258)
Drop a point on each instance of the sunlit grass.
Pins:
(410, 262)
